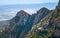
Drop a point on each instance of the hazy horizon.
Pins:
(12, 2)
(8, 11)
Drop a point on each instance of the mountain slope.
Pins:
(23, 22)
(39, 25)
(56, 21)
(48, 27)
(37, 30)
(17, 24)
(34, 19)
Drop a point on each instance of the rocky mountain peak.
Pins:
(22, 12)
(23, 22)
(43, 10)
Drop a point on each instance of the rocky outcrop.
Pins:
(44, 20)
(20, 25)
(34, 19)
(55, 21)
(17, 24)
(50, 23)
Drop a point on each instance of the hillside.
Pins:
(23, 22)
(48, 27)
(44, 23)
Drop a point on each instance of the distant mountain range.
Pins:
(9, 11)
(23, 6)
(43, 24)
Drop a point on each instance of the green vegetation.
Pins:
(2, 35)
(46, 33)
(38, 34)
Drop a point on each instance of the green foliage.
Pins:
(37, 34)
(2, 35)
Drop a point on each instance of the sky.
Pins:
(7, 2)
(9, 8)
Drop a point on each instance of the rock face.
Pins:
(24, 23)
(51, 23)
(55, 21)
(19, 26)
(41, 14)
(34, 19)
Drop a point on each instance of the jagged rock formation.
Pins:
(44, 23)
(19, 26)
(50, 23)
(55, 21)
(34, 19)
(41, 27)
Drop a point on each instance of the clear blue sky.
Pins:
(6, 2)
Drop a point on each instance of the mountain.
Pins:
(55, 21)
(48, 27)
(43, 24)
(34, 19)
(19, 26)
(11, 10)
